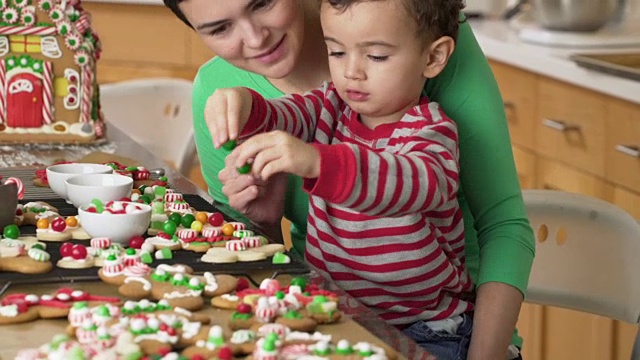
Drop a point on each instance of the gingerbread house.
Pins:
(48, 88)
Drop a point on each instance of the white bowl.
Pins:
(57, 174)
(82, 189)
(118, 227)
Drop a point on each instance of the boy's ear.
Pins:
(439, 53)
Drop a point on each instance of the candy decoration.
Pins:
(100, 243)
(87, 93)
(244, 169)
(229, 145)
(173, 197)
(211, 231)
(238, 225)
(19, 185)
(164, 254)
(280, 258)
(187, 235)
(38, 254)
(242, 233)
(3, 83)
(228, 229)
(27, 30)
(235, 245)
(47, 107)
(11, 232)
(252, 241)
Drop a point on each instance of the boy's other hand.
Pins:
(226, 113)
(259, 200)
(278, 152)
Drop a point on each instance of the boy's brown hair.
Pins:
(433, 18)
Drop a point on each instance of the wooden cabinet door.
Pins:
(525, 166)
(570, 125)
(623, 144)
(530, 329)
(554, 175)
(518, 93)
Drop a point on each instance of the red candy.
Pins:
(91, 210)
(136, 242)
(244, 308)
(216, 219)
(125, 199)
(65, 249)
(58, 225)
(225, 353)
(243, 283)
(79, 252)
(164, 235)
(171, 331)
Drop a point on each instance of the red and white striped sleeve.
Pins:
(416, 171)
(295, 114)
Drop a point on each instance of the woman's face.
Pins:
(261, 36)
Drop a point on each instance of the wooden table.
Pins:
(360, 322)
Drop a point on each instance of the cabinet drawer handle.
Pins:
(558, 125)
(629, 150)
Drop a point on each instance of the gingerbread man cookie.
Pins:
(19, 308)
(177, 286)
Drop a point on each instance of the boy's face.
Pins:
(375, 58)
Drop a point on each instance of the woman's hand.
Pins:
(226, 113)
(278, 152)
(261, 201)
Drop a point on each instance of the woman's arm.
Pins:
(467, 91)
(242, 196)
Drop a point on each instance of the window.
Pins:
(25, 43)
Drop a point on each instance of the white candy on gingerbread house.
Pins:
(48, 88)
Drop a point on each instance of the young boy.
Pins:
(379, 161)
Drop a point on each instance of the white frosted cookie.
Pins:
(270, 249)
(219, 256)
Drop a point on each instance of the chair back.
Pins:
(587, 255)
(156, 113)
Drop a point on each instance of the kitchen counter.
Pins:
(500, 42)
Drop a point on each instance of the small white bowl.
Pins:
(82, 189)
(57, 174)
(118, 227)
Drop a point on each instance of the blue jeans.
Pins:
(441, 344)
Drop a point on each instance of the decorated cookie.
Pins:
(177, 286)
(19, 308)
(33, 211)
(74, 256)
(23, 254)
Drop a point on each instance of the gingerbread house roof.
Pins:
(65, 18)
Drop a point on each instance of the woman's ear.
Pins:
(439, 53)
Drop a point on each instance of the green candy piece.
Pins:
(280, 258)
(229, 145)
(157, 207)
(244, 169)
(145, 198)
(103, 310)
(292, 314)
(280, 295)
(159, 192)
(320, 299)
(98, 204)
(169, 227)
(11, 232)
(80, 305)
(163, 178)
(37, 246)
(76, 353)
(176, 218)
(142, 188)
(111, 257)
(130, 251)
(344, 351)
(187, 220)
(146, 258)
(299, 281)
(164, 254)
(132, 168)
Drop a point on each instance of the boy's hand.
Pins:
(226, 113)
(278, 152)
(259, 200)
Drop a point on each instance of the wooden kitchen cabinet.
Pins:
(519, 96)
(578, 151)
(570, 125)
(525, 166)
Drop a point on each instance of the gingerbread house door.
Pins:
(24, 101)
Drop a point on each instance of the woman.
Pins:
(276, 47)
